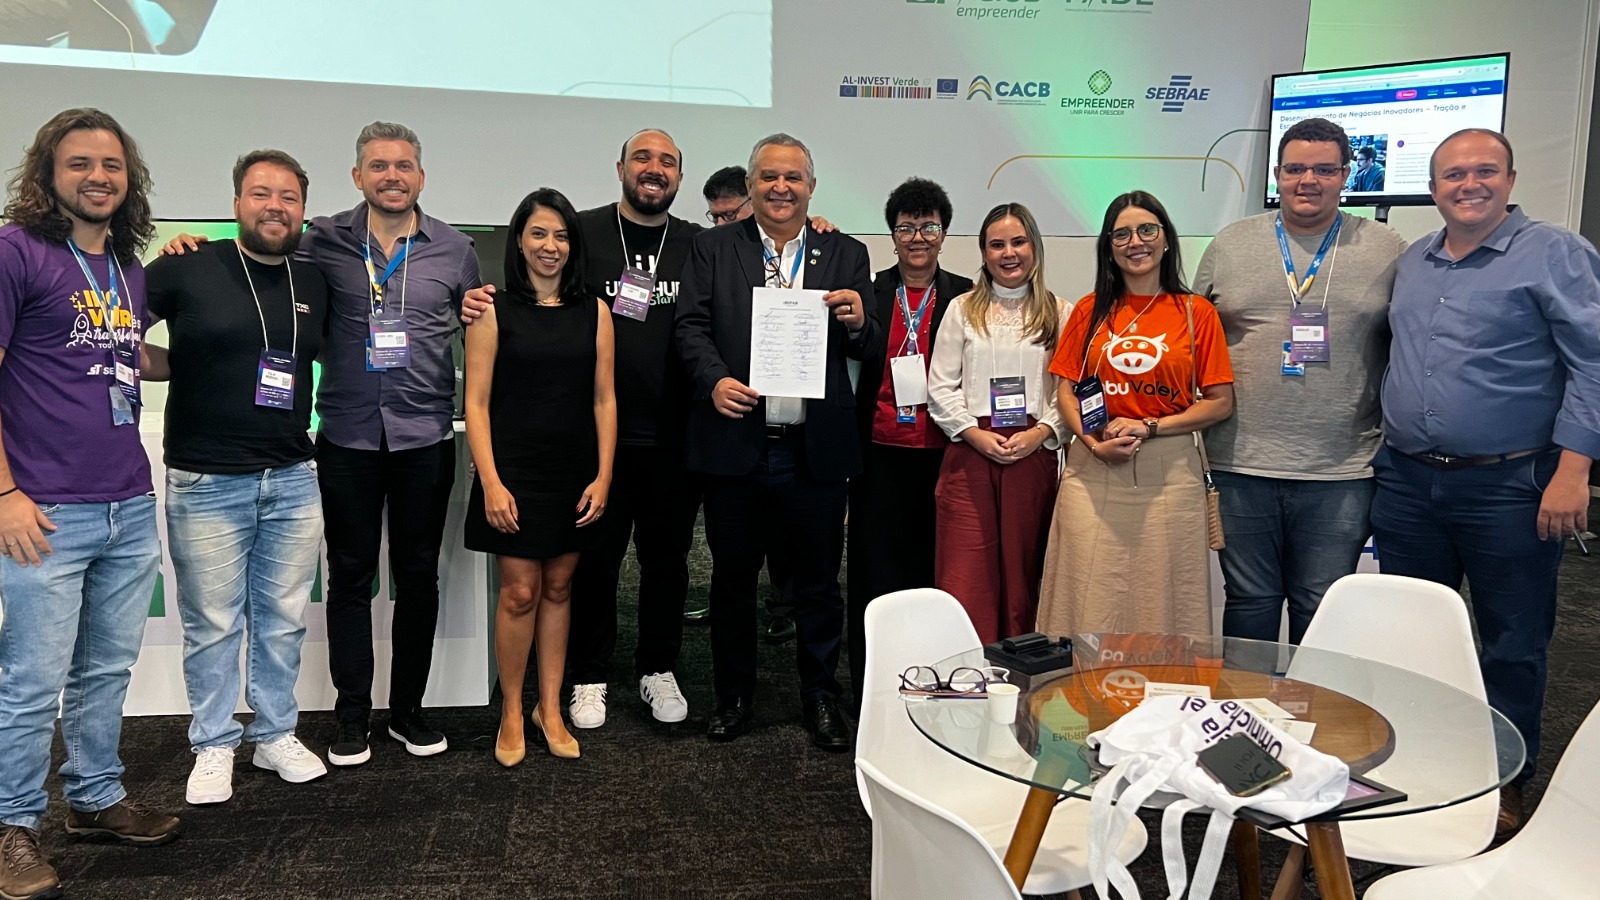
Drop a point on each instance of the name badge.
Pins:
(1290, 367)
(1308, 334)
(910, 375)
(1008, 402)
(275, 380)
(121, 409)
(1091, 396)
(388, 343)
(633, 294)
(127, 371)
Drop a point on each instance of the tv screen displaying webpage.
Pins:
(1395, 116)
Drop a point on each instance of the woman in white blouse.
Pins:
(990, 390)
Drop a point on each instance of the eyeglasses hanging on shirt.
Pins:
(275, 373)
(124, 359)
(388, 342)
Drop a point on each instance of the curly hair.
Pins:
(31, 200)
(918, 197)
(1317, 131)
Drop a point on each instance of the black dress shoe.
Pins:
(697, 616)
(731, 719)
(780, 630)
(826, 724)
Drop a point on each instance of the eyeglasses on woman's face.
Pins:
(906, 232)
(1147, 232)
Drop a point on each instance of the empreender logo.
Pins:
(1099, 104)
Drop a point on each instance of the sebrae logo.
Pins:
(1178, 90)
(1121, 6)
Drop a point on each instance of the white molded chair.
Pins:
(921, 627)
(1421, 626)
(1553, 857)
(921, 851)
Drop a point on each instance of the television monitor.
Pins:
(1395, 116)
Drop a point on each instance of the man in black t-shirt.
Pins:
(244, 515)
(634, 253)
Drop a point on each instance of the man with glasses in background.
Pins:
(1303, 294)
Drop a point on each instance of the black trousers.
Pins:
(891, 536)
(653, 500)
(356, 486)
(777, 505)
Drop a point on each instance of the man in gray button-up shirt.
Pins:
(387, 436)
(1491, 417)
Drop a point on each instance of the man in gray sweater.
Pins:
(1304, 296)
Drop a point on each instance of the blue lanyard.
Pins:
(366, 253)
(112, 298)
(913, 322)
(776, 263)
(1298, 288)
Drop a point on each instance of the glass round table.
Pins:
(1420, 743)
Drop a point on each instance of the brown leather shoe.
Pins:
(24, 873)
(1510, 818)
(126, 820)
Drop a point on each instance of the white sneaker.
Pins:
(212, 778)
(666, 701)
(290, 759)
(588, 707)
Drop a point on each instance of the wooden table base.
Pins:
(1327, 855)
(1029, 832)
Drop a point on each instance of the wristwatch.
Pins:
(1150, 424)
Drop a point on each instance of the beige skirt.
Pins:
(1127, 548)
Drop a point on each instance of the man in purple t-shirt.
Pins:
(77, 511)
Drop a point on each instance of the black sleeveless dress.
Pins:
(541, 422)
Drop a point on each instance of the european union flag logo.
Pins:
(949, 85)
(847, 90)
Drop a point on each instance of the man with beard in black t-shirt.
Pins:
(244, 515)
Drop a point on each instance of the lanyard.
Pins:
(913, 321)
(777, 263)
(111, 300)
(1112, 336)
(294, 314)
(1298, 288)
(655, 260)
(402, 259)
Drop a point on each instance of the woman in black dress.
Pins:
(542, 425)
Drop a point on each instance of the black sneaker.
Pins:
(349, 746)
(411, 730)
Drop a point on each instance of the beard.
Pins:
(255, 242)
(647, 205)
(83, 214)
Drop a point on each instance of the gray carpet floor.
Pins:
(650, 811)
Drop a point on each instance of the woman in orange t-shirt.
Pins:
(1128, 547)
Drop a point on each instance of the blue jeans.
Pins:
(75, 623)
(245, 549)
(1286, 539)
(1481, 522)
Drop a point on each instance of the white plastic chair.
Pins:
(921, 627)
(921, 851)
(1421, 626)
(1553, 857)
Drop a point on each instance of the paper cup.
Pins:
(1003, 703)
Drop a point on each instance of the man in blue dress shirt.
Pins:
(1491, 417)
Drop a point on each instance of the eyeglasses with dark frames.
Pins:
(1147, 232)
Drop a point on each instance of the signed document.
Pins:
(789, 343)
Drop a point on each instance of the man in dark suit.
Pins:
(776, 467)
(891, 501)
